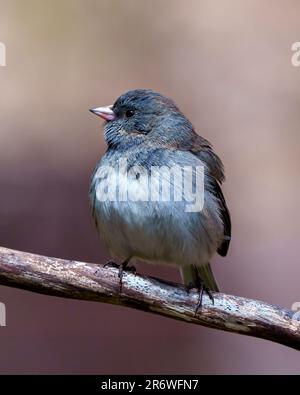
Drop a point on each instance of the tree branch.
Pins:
(86, 281)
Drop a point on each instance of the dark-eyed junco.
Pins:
(155, 194)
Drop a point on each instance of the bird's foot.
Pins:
(107, 264)
(124, 268)
(112, 264)
(201, 288)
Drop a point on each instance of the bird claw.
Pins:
(124, 268)
(112, 264)
(129, 269)
(107, 264)
(201, 288)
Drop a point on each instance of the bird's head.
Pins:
(142, 115)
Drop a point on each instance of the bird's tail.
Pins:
(191, 275)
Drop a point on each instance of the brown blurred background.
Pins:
(227, 64)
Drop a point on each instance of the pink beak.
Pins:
(104, 112)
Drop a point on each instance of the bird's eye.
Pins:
(129, 113)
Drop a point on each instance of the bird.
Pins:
(146, 130)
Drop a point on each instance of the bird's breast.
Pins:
(137, 216)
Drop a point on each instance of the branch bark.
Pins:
(87, 281)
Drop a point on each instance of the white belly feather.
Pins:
(156, 231)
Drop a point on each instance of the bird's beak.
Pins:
(104, 112)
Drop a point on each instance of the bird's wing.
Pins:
(225, 215)
(214, 166)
